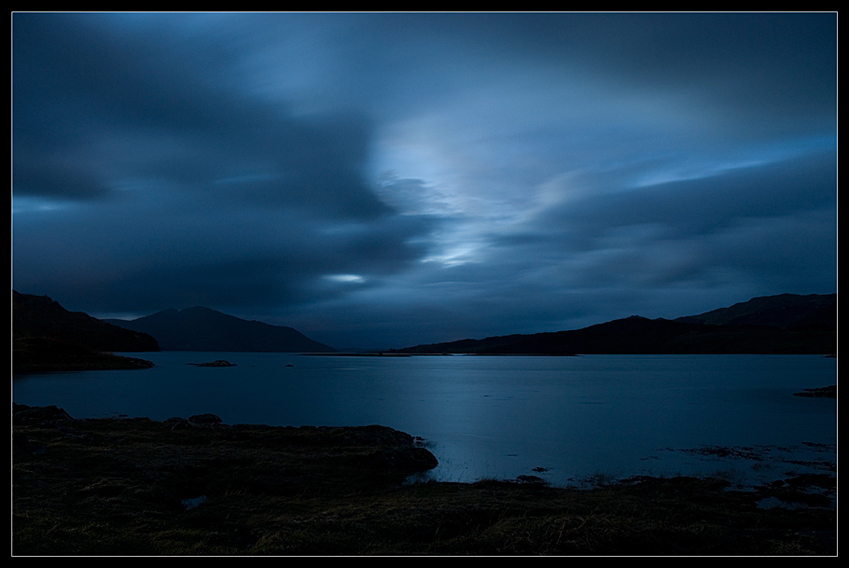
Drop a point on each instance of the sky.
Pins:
(382, 180)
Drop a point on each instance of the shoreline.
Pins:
(131, 486)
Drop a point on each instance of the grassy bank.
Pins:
(198, 487)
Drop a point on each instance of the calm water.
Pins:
(565, 419)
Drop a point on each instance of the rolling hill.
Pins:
(780, 324)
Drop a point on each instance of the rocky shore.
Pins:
(196, 486)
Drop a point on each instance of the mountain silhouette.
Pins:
(205, 329)
(785, 323)
(41, 316)
(47, 337)
(786, 311)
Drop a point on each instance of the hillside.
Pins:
(204, 329)
(770, 325)
(46, 336)
(785, 311)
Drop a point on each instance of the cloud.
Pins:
(140, 107)
(396, 178)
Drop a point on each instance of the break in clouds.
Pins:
(382, 180)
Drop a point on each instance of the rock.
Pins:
(189, 504)
(23, 414)
(822, 392)
(217, 363)
(205, 419)
(530, 479)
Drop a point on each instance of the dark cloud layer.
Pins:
(379, 180)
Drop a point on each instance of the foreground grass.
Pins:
(180, 487)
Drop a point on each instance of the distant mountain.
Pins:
(786, 311)
(204, 329)
(41, 316)
(46, 336)
(775, 324)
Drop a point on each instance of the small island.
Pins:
(216, 363)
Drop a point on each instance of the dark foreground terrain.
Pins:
(198, 487)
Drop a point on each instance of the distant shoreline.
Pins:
(396, 354)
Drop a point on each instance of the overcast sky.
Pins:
(386, 180)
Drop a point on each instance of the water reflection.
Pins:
(565, 420)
